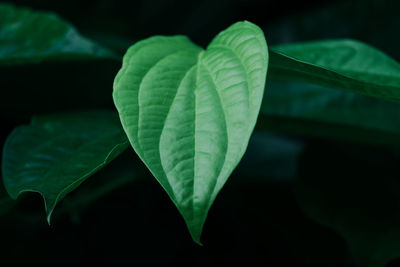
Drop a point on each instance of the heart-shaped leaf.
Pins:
(189, 113)
(55, 154)
(344, 64)
(28, 36)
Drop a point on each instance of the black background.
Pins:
(254, 221)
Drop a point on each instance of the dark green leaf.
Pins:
(344, 64)
(55, 154)
(189, 113)
(121, 172)
(28, 36)
(341, 19)
(312, 110)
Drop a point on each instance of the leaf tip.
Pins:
(196, 235)
(49, 212)
(48, 219)
(195, 229)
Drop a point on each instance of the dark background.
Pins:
(259, 218)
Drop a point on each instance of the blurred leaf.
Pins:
(66, 77)
(371, 21)
(197, 111)
(56, 153)
(343, 64)
(354, 190)
(313, 110)
(28, 36)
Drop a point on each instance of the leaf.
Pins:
(313, 110)
(120, 173)
(344, 64)
(337, 20)
(189, 113)
(28, 36)
(354, 191)
(56, 153)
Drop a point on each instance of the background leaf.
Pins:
(343, 64)
(28, 36)
(56, 153)
(189, 113)
(126, 170)
(311, 110)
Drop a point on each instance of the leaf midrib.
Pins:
(226, 130)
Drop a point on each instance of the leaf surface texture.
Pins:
(56, 153)
(189, 112)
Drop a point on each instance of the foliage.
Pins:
(55, 154)
(52, 39)
(189, 114)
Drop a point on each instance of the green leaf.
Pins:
(28, 36)
(313, 110)
(56, 153)
(121, 172)
(189, 113)
(344, 64)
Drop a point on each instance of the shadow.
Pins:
(354, 190)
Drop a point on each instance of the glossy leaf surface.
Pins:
(313, 110)
(344, 64)
(56, 153)
(189, 112)
(28, 36)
